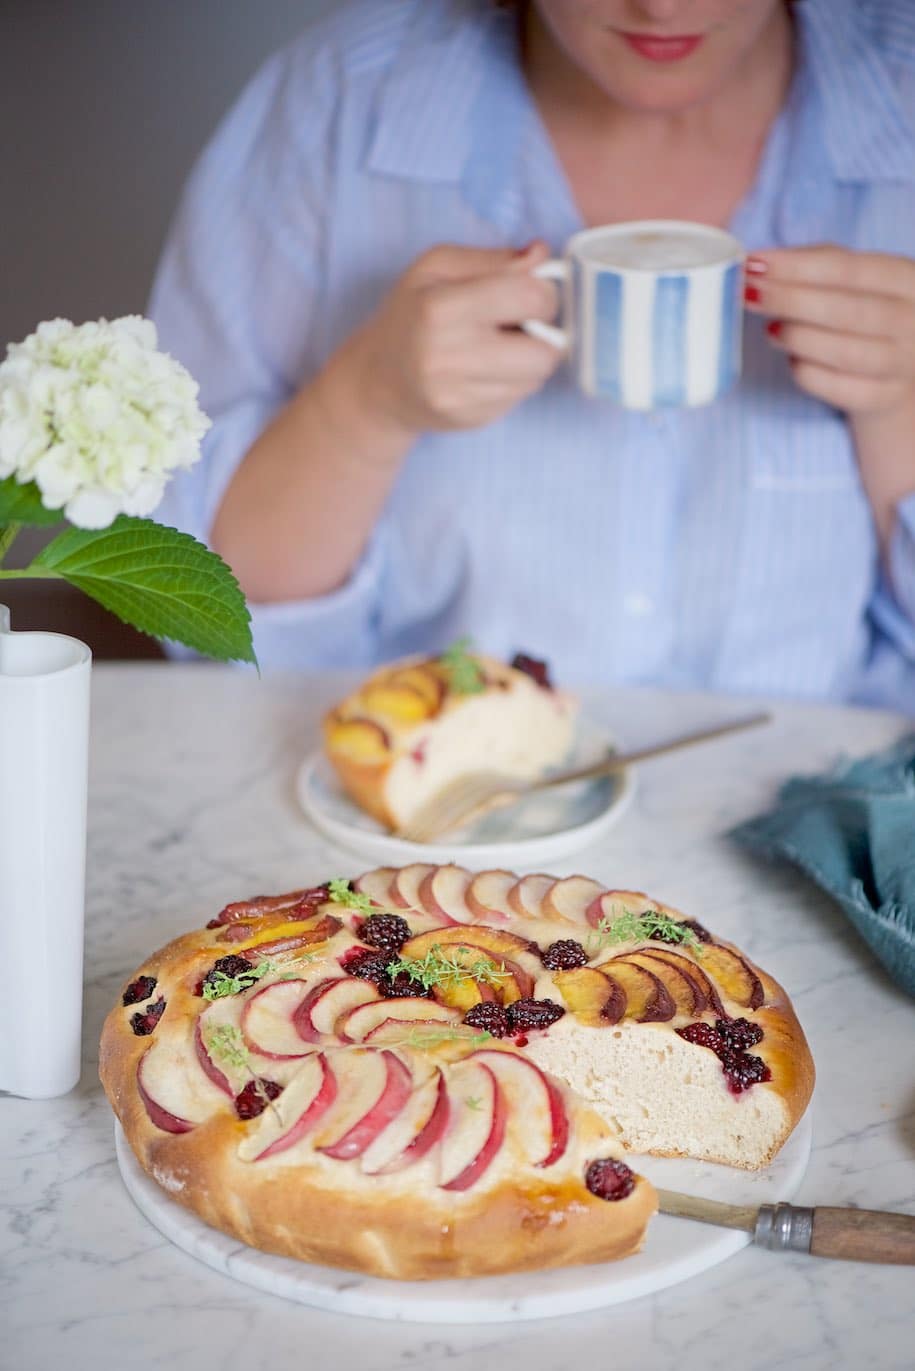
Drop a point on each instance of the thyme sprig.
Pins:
(440, 967)
(463, 672)
(341, 892)
(217, 984)
(225, 1041)
(629, 927)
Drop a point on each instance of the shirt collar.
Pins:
(862, 123)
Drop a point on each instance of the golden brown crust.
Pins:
(325, 1213)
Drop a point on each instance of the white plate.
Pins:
(538, 830)
(675, 1249)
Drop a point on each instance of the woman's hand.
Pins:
(846, 320)
(444, 351)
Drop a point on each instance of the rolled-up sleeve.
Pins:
(236, 299)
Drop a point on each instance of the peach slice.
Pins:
(415, 1131)
(357, 1024)
(401, 703)
(593, 997)
(615, 902)
(294, 1113)
(495, 942)
(680, 988)
(308, 933)
(317, 1014)
(405, 886)
(736, 979)
(706, 996)
(361, 739)
(526, 895)
(476, 1129)
(487, 895)
(509, 981)
(569, 900)
(375, 1086)
(443, 893)
(268, 1020)
(537, 1113)
(377, 885)
(647, 998)
(420, 678)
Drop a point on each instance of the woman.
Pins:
(393, 462)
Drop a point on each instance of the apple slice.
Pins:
(414, 1132)
(405, 884)
(268, 1020)
(376, 1091)
(316, 1016)
(476, 1128)
(363, 740)
(174, 1093)
(704, 993)
(615, 902)
(537, 1114)
(736, 979)
(681, 988)
(570, 899)
(357, 1024)
(595, 998)
(377, 885)
(487, 895)
(208, 1066)
(443, 893)
(647, 998)
(526, 895)
(294, 1113)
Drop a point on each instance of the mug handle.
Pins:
(554, 270)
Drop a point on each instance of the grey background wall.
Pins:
(104, 105)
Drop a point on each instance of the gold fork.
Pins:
(480, 790)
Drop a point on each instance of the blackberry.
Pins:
(233, 965)
(609, 1179)
(531, 666)
(401, 986)
(253, 1100)
(742, 1070)
(703, 1035)
(139, 990)
(564, 955)
(387, 932)
(526, 1015)
(738, 1034)
(143, 1024)
(701, 933)
(367, 965)
(489, 1016)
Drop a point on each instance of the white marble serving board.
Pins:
(675, 1249)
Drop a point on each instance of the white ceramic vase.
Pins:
(44, 754)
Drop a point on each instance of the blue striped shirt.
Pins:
(730, 547)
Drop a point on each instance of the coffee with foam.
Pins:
(656, 250)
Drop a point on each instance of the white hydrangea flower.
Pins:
(97, 417)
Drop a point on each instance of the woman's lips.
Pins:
(662, 49)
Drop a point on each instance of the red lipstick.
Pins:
(663, 49)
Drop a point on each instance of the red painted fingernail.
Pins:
(774, 328)
(756, 266)
(522, 252)
(752, 295)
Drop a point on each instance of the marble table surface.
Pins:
(192, 804)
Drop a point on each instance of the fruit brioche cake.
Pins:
(430, 1073)
(416, 725)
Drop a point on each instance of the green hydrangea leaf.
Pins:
(158, 580)
(20, 503)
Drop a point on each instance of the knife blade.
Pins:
(846, 1234)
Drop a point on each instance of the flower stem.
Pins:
(7, 538)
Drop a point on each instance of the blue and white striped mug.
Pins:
(652, 312)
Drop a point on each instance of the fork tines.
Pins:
(455, 802)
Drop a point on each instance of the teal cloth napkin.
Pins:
(853, 832)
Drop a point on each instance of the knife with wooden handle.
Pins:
(858, 1235)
